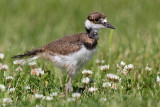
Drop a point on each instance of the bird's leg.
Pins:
(69, 87)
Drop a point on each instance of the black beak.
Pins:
(106, 24)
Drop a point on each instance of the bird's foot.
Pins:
(69, 88)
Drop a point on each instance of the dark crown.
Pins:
(95, 17)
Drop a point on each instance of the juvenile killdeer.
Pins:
(71, 52)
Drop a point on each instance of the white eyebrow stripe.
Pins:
(89, 24)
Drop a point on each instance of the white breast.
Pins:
(75, 60)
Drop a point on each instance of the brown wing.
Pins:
(64, 46)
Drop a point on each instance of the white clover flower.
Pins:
(7, 101)
(71, 99)
(148, 69)
(92, 89)
(103, 99)
(1, 55)
(126, 67)
(158, 79)
(2, 88)
(85, 80)
(9, 78)
(19, 68)
(18, 62)
(122, 64)
(76, 95)
(105, 68)
(48, 98)
(27, 87)
(113, 77)
(87, 73)
(40, 71)
(123, 68)
(106, 84)
(11, 90)
(37, 71)
(38, 96)
(5, 67)
(130, 67)
(33, 63)
(54, 94)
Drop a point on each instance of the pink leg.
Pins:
(69, 87)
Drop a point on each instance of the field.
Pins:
(29, 24)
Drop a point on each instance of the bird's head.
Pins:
(96, 21)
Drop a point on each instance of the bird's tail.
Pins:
(28, 54)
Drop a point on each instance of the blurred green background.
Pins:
(29, 24)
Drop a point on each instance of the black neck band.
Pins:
(88, 30)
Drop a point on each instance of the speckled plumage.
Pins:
(70, 44)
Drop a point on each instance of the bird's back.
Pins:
(70, 44)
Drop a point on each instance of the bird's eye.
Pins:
(96, 20)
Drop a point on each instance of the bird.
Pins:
(71, 52)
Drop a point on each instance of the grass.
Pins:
(29, 24)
